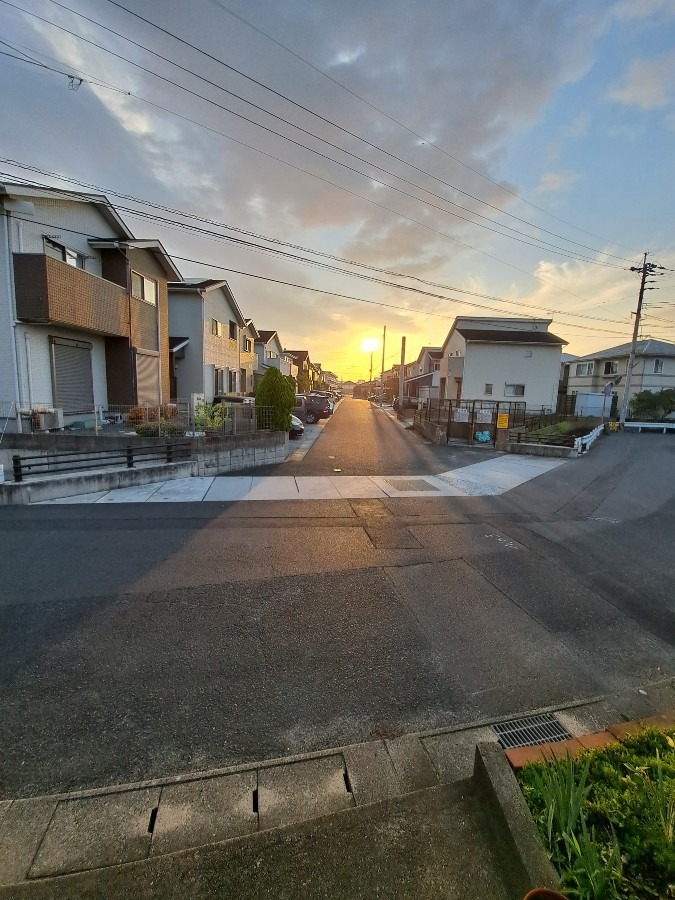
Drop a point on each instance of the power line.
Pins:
(320, 117)
(391, 118)
(540, 245)
(248, 245)
(321, 178)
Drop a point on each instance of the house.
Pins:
(331, 381)
(347, 387)
(207, 325)
(565, 404)
(306, 377)
(422, 377)
(501, 359)
(653, 370)
(83, 305)
(248, 360)
(269, 352)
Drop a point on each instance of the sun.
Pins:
(369, 344)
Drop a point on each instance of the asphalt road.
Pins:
(143, 640)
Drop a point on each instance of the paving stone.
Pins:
(521, 756)
(4, 806)
(96, 831)
(205, 812)
(21, 829)
(301, 791)
(597, 741)
(371, 772)
(589, 718)
(453, 754)
(388, 538)
(411, 763)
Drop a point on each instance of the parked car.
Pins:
(310, 408)
(297, 428)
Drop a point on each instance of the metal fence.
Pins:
(471, 421)
(180, 418)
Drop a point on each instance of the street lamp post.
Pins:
(369, 345)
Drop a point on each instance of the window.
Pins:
(247, 345)
(144, 288)
(514, 390)
(658, 366)
(437, 367)
(219, 385)
(584, 368)
(611, 367)
(233, 382)
(272, 355)
(214, 326)
(233, 331)
(488, 390)
(58, 251)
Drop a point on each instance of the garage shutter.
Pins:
(73, 383)
(147, 377)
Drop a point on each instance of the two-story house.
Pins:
(207, 324)
(501, 359)
(653, 370)
(270, 352)
(83, 305)
(306, 377)
(422, 377)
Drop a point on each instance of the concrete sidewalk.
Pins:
(488, 478)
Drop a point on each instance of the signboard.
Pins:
(460, 415)
(484, 416)
(503, 420)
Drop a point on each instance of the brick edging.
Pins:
(613, 734)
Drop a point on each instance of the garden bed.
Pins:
(607, 818)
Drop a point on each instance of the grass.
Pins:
(608, 819)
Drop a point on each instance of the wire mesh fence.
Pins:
(180, 418)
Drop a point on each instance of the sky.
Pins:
(360, 165)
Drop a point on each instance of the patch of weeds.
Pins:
(608, 820)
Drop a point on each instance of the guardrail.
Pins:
(81, 460)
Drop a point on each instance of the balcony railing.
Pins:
(51, 291)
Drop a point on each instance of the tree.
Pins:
(652, 404)
(276, 391)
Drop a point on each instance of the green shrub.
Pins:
(276, 391)
(160, 429)
(608, 822)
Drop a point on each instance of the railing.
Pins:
(79, 460)
(178, 419)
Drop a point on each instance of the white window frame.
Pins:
(583, 369)
(233, 330)
(488, 389)
(511, 390)
(68, 256)
(611, 367)
(658, 367)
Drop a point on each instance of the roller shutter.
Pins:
(71, 374)
(147, 377)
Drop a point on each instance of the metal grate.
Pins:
(530, 730)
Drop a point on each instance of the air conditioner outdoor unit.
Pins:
(51, 420)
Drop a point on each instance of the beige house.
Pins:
(501, 359)
(654, 369)
(207, 330)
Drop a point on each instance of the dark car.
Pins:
(310, 408)
(297, 429)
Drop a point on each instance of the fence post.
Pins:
(16, 468)
(169, 452)
(130, 457)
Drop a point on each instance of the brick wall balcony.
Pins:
(51, 291)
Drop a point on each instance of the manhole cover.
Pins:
(410, 484)
(530, 730)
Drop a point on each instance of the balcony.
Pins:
(49, 291)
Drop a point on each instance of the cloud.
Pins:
(648, 84)
(551, 182)
(642, 9)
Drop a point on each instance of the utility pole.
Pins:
(401, 374)
(645, 269)
(384, 340)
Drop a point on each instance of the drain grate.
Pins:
(530, 730)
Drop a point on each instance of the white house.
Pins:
(653, 370)
(83, 305)
(206, 328)
(501, 359)
(269, 351)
